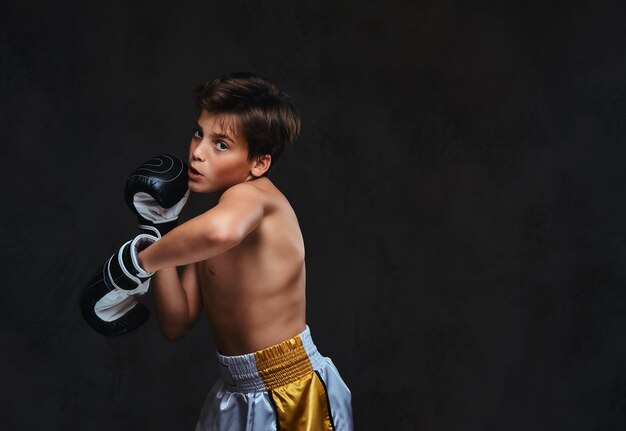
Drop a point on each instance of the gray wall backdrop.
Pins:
(459, 181)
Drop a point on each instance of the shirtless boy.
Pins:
(244, 264)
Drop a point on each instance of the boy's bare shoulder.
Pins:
(261, 191)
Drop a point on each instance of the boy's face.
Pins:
(218, 156)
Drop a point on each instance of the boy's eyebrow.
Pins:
(222, 136)
(217, 135)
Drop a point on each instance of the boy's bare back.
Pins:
(254, 293)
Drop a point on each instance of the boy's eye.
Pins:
(221, 146)
(197, 134)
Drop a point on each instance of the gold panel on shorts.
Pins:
(298, 394)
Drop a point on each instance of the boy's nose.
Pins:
(199, 153)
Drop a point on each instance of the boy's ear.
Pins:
(261, 165)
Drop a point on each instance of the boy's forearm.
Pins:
(196, 240)
(170, 303)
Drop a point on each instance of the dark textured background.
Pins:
(459, 181)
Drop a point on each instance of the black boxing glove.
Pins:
(108, 302)
(156, 192)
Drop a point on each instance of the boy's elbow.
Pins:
(225, 235)
(174, 336)
(174, 333)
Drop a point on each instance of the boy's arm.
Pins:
(238, 212)
(177, 302)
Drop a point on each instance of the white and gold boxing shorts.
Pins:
(286, 387)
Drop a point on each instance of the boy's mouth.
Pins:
(191, 169)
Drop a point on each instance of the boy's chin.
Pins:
(197, 188)
(203, 188)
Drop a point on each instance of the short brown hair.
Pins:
(267, 120)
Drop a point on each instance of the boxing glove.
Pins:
(156, 192)
(108, 301)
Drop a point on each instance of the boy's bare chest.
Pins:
(230, 264)
(254, 257)
(268, 255)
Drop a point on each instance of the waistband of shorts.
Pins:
(272, 367)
